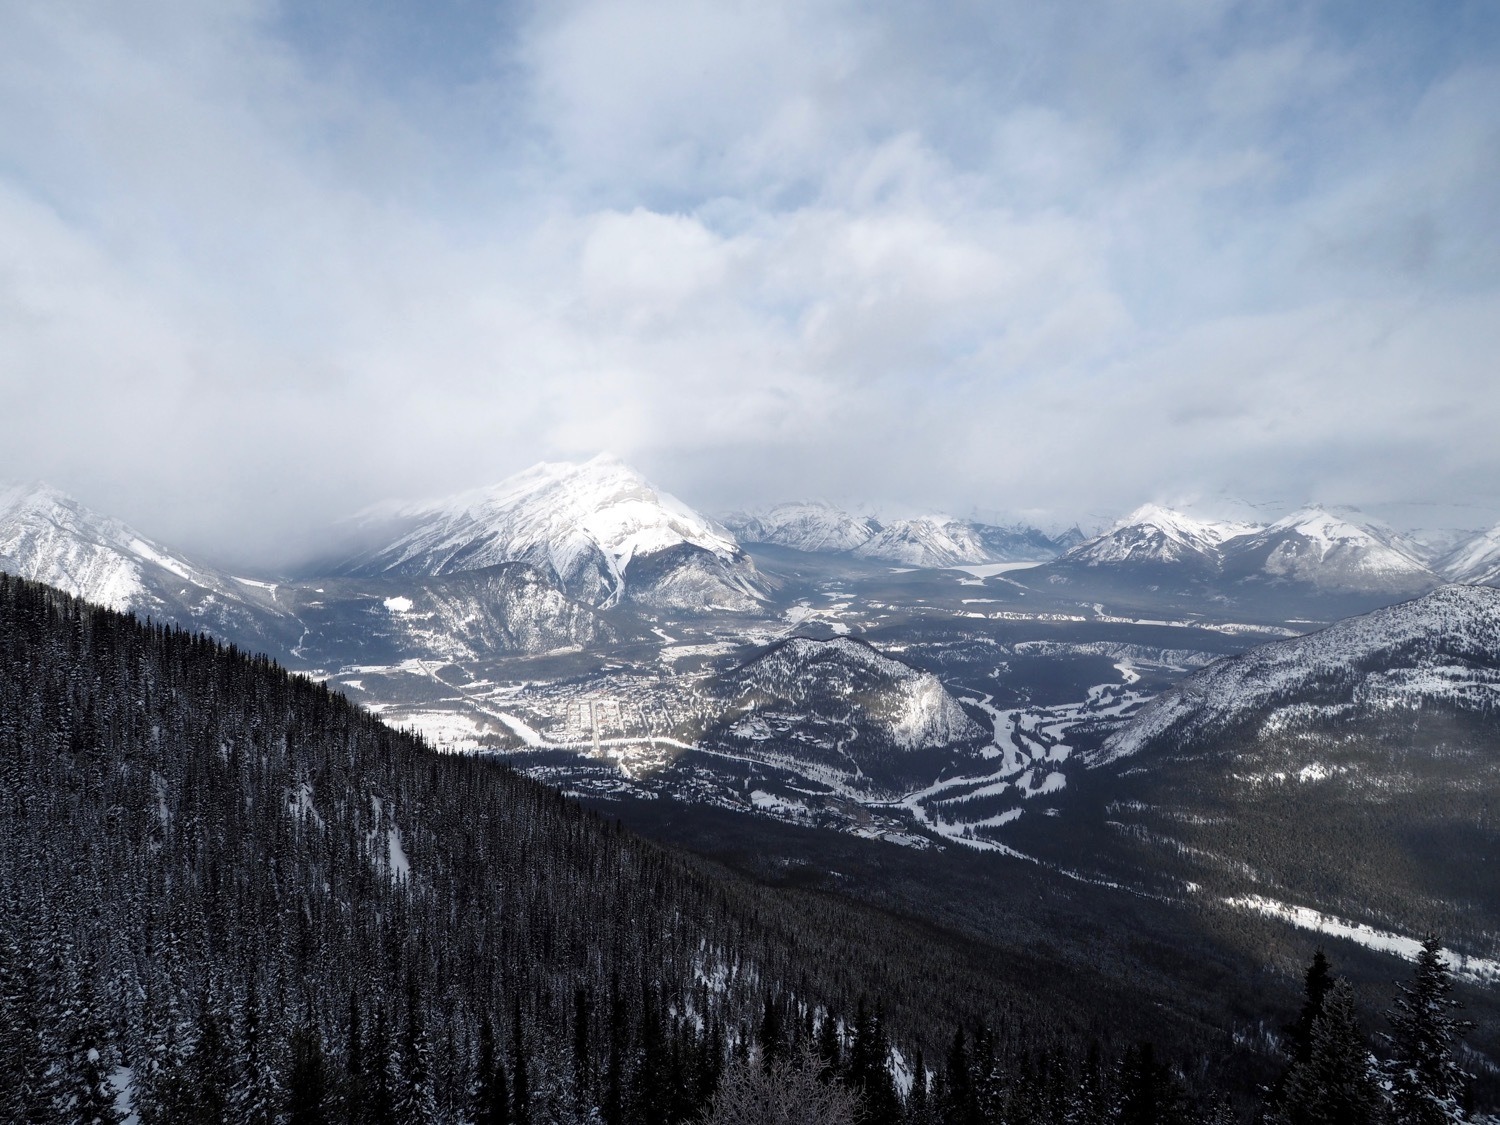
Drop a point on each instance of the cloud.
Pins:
(262, 264)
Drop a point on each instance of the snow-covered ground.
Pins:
(1480, 970)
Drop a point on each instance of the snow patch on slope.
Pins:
(1480, 970)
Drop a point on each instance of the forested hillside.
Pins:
(226, 894)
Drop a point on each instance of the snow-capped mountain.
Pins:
(804, 526)
(1476, 561)
(1330, 551)
(1312, 552)
(842, 709)
(937, 541)
(48, 536)
(602, 529)
(1157, 535)
(926, 541)
(1443, 648)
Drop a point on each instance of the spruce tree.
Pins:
(356, 1078)
(520, 1085)
(1426, 1082)
(917, 1111)
(614, 1079)
(307, 1080)
(95, 1100)
(830, 1049)
(1315, 986)
(491, 1100)
(957, 1106)
(1335, 1084)
(212, 1080)
(380, 1100)
(416, 1104)
(257, 1096)
(1149, 1093)
(583, 1064)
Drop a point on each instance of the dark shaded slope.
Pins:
(197, 847)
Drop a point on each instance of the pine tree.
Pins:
(356, 1078)
(1088, 1102)
(830, 1050)
(257, 1094)
(957, 1106)
(520, 1085)
(1426, 1082)
(1315, 986)
(416, 1104)
(583, 1068)
(380, 1099)
(917, 1110)
(614, 1079)
(211, 1079)
(491, 1101)
(1334, 1085)
(1149, 1093)
(95, 1102)
(869, 1069)
(772, 1037)
(307, 1080)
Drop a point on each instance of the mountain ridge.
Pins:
(595, 526)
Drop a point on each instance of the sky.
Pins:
(263, 264)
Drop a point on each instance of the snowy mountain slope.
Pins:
(597, 526)
(926, 541)
(1442, 648)
(50, 537)
(1156, 535)
(1476, 561)
(1349, 772)
(1330, 551)
(938, 541)
(1312, 554)
(500, 611)
(804, 526)
(838, 710)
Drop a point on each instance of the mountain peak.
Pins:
(1183, 527)
(585, 521)
(1338, 548)
(48, 536)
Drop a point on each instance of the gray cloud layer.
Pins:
(262, 264)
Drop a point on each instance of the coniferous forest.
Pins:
(226, 894)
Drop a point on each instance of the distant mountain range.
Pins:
(631, 647)
(928, 541)
(605, 536)
(1315, 548)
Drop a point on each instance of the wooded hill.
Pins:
(234, 896)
